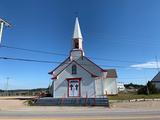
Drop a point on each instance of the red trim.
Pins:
(78, 65)
(94, 76)
(104, 70)
(111, 77)
(73, 78)
(53, 78)
(68, 90)
(58, 66)
(68, 79)
(63, 69)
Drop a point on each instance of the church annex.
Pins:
(78, 76)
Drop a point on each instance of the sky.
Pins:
(119, 34)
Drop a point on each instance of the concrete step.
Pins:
(72, 102)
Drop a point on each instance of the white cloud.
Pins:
(150, 64)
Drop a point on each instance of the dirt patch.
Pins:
(13, 103)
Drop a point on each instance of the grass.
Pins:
(131, 96)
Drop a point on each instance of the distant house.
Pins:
(156, 81)
(120, 86)
(78, 76)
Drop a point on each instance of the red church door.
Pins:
(74, 88)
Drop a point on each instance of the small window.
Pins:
(74, 69)
(76, 44)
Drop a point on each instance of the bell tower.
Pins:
(77, 46)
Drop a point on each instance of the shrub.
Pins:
(148, 89)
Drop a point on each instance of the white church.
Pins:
(78, 76)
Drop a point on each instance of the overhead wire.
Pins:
(44, 61)
(60, 54)
(31, 50)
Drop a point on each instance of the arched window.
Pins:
(74, 69)
(76, 44)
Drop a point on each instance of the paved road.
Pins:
(91, 114)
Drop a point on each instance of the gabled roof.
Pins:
(69, 63)
(84, 62)
(111, 73)
(156, 78)
(90, 66)
(87, 65)
(60, 66)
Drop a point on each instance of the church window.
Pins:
(76, 44)
(74, 69)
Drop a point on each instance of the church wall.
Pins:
(99, 87)
(87, 83)
(110, 86)
(157, 85)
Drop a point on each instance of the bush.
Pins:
(148, 89)
(142, 90)
(30, 102)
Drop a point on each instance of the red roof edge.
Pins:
(80, 66)
(50, 72)
(103, 70)
(73, 78)
(53, 78)
(94, 75)
(58, 66)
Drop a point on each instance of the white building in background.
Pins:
(78, 76)
(120, 86)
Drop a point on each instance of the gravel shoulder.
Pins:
(14, 104)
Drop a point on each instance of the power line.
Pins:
(28, 60)
(60, 54)
(31, 50)
(56, 62)
(43, 61)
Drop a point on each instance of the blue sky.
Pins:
(121, 30)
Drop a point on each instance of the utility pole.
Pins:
(157, 63)
(1, 30)
(7, 85)
(2, 24)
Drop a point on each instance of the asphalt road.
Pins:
(90, 114)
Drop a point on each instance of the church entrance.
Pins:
(73, 88)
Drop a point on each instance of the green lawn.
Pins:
(132, 96)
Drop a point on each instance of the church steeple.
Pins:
(77, 36)
(77, 49)
(77, 30)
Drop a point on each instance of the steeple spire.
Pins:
(77, 49)
(77, 31)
